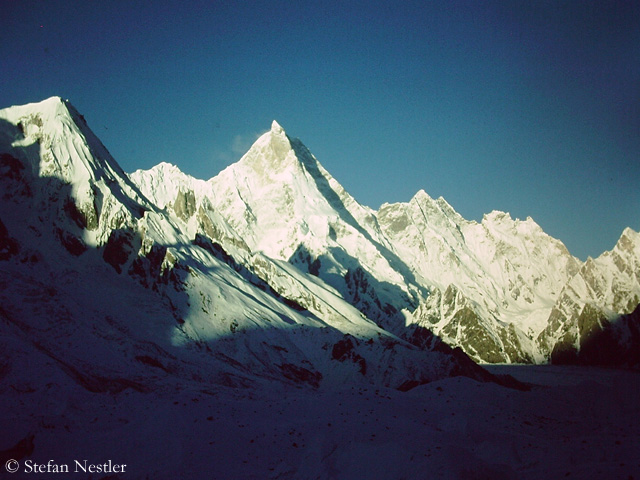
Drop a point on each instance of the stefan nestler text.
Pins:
(78, 466)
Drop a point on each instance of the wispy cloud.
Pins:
(235, 150)
(242, 143)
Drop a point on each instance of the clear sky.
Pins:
(527, 107)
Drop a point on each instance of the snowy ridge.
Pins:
(501, 263)
(68, 149)
(56, 145)
(595, 304)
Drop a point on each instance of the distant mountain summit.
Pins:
(283, 203)
(271, 270)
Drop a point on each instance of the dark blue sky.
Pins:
(527, 107)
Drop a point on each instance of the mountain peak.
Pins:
(270, 153)
(48, 108)
(628, 241)
(51, 101)
(421, 195)
(276, 128)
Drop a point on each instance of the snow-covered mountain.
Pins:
(492, 284)
(143, 281)
(285, 204)
(271, 270)
(585, 324)
(490, 287)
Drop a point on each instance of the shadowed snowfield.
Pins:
(575, 422)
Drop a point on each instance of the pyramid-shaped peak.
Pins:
(422, 196)
(49, 108)
(276, 128)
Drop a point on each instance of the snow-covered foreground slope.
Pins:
(580, 422)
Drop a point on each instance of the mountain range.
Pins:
(271, 271)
